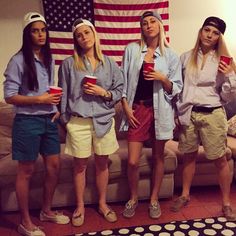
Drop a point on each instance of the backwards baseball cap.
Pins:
(150, 13)
(32, 17)
(79, 22)
(216, 22)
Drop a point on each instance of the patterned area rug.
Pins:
(198, 227)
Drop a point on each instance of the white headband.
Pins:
(32, 17)
(79, 22)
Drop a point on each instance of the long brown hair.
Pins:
(29, 66)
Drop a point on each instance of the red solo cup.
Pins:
(226, 59)
(148, 66)
(90, 79)
(55, 90)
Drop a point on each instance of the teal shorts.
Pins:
(34, 134)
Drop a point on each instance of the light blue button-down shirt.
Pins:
(16, 83)
(168, 64)
(76, 102)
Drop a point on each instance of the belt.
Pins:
(76, 115)
(146, 103)
(204, 109)
(50, 115)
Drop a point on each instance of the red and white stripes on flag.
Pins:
(116, 21)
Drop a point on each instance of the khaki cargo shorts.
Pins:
(207, 129)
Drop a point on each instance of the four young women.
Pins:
(87, 111)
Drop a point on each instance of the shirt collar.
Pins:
(156, 53)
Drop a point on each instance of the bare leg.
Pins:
(189, 167)
(158, 172)
(224, 179)
(52, 164)
(102, 175)
(24, 174)
(134, 150)
(79, 181)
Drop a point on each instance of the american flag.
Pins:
(116, 21)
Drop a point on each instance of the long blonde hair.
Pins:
(78, 51)
(220, 49)
(163, 43)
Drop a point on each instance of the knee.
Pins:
(133, 164)
(101, 165)
(25, 173)
(53, 168)
(80, 167)
(221, 163)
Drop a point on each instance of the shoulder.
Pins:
(186, 54)
(171, 55)
(16, 61)
(170, 52)
(110, 61)
(133, 46)
(17, 58)
(67, 61)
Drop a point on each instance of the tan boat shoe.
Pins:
(77, 220)
(229, 214)
(35, 232)
(110, 215)
(57, 218)
(179, 203)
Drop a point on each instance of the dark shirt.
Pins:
(144, 89)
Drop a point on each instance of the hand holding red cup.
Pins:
(55, 90)
(147, 67)
(90, 79)
(226, 59)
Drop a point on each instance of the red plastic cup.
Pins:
(226, 59)
(55, 90)
(90, 79)
(148, 66)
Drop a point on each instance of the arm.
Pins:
(228, 89)
(45, 98)
(171, 82)
(112, 91)
(63, 77)
(14, 83)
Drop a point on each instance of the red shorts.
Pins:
(144, 114)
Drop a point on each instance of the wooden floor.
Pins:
(205, 202)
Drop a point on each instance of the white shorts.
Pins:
(81, 139)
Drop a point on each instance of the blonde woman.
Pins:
(208, 84)
(147, 102)
(87, 110)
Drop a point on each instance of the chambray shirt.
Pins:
(16, 84)
(168, 64)
(76, 102)
(207, 87)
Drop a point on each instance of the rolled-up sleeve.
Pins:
(124, 70)
(228, 89)
(174, 75)
(13, 75)
(63, 76)
(117, 84)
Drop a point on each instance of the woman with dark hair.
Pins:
(208, 84)
(147, 102)
(87, 110)
(28, 75)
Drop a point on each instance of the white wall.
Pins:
(186, 17)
